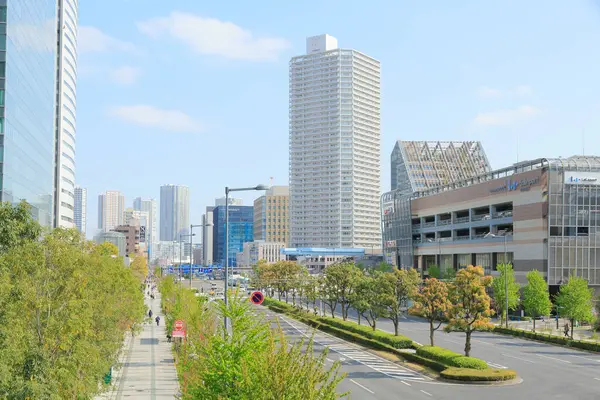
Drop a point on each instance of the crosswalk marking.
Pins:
(350, 352)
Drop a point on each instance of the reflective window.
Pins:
(3, 14)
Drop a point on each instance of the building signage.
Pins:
(390, 243)
(511, 185)
(582, 178)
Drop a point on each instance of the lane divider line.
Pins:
(364, 387)
(428, 394)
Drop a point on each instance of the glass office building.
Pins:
(28, 40)
(241, 230)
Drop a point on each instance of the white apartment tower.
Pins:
(150, 207)
(80, 207)
(174, 212)
(335, 148)
(66, 98)
(111, 209)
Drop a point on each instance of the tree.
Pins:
(434, 272)
(470, 310)
(17, 226)
(340, 282)
(433, 299)
(400, 286)
(369, 299)
(139, 267)
(575, 300)
(536, 299)
(507, 275)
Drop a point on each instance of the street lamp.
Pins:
(227, 190)
(505, 235)
(191, 235)
(192, 226)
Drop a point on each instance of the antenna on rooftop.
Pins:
(271, 181)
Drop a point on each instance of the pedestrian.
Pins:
(157, 320)
(150, 313)
(169, 338)
(567, 329)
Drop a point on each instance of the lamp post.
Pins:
(191, 235)
(227, 190)
(192, 226)
(504, 236)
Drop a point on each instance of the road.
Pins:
(549, 372)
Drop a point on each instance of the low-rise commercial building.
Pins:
(132, 238)
(116, 238)
(260, 250)
(540, 215)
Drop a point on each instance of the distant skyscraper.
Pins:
(232, 201)
(335, 147)
(418, 166)
(271, 217)
(66, 98)
(174, 211)
(241, 221)
(80, 209)
(111, 209)
(150, 207)
(28, 40)
(207, 236)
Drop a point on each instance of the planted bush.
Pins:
(477, 375)
(451, 358)
(398, 342)
(563, 341)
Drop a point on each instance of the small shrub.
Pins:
(478, 375)
(451, 358)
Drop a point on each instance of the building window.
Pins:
(2, 69)
(2, 97)
(3, 14)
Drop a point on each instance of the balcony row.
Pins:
(496, 211)
(491, 231)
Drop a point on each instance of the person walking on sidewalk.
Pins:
(150, 313)
(157, 320)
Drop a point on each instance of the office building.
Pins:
(197, 255)
(335, 150)
(418, 166)
(66, 101)
(28, 41)
(142, 218)
(232, 201)
(271, 217)
(252, 252)
(132, 238)
(540, 215)
(241, 221)
(149, 206)
(111, 209)
(80, 209)
(174, 212)
(207, 236)
(116, 238)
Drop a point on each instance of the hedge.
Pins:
(563, 341)
(478, 375)
(451, 358)
(413, 357)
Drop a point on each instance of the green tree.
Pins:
(434, 301)
(106, 249)
(470, 310)
(17, 226)
(536, 299)
(370, 297)
(339, 284)
(434, 272)
(398, 287)
(139, 267)
(499, 284)
(575, 300)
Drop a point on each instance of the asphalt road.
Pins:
(548, 372)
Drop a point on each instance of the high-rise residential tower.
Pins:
(335, 147)
(111, 209)
(150, 207)
(80, 209)
(271, 217)
(27, 104)
(66, 98)
(174, 212)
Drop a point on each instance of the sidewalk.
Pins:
(146, 369)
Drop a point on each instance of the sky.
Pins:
(196, 92)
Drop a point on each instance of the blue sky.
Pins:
(195, 92)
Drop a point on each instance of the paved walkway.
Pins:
(147, 369)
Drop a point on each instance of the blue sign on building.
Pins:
(241, 230)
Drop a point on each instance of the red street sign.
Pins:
(257, 297)
(180, 334)
(178, 325)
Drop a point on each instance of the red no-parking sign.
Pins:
(257, 298)
(178, 329)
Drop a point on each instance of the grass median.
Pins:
(552, 339)
(448, 364)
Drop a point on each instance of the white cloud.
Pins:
(506, 117)
(487, 92)
(214, 37)
(93, 40)
(125, 75)
(152, 117)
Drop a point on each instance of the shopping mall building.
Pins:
(540, 215)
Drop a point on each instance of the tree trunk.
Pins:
(431, 331)
(572, 324)
(396, 322)
(279, 295)
(468, 343)
(374, 324)
(533, 324)
(358, 317)
(344, 315)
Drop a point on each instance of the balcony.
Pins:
(461, 220)
(481, 217)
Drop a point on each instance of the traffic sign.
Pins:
(178, 329)
(257, 298)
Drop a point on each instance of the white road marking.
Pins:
(496, 365)
(417, 343)
(408, 384)
(366, 388)
(428, 394)
(518, 358)
(481, 341)
(585, 358)
(553, 358)
(598, 379)
(329, 360)
(453, 341)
